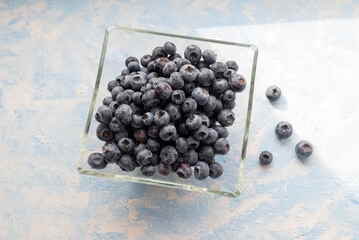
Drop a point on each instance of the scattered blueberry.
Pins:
(283, 130)
(265, 158)
(273, 93)
(304, 149)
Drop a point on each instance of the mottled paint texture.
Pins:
(49, 52)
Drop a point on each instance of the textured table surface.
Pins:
(49, 54)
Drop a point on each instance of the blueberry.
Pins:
(144, 157)
(184, 171)
(153, 131)
(273, 93)
(126, 163)
(232, 65)
(144, 71)
(181, 145)
(107, 101)
(125, 82)
(116, 90)
(191, 157)
(181, 157)
(169, 68)
(229, 74)
(205, 77)
(226, 117)
(96, 161)
(167, 132)
(220, 85)
(188, 88)
(189, 105)
(126, 144)
(265, 158)
(121, 134)
(222, 131)
(182, 130)
(163, 90)
(200, 133)
(161, 118)
(137, 97)
(103, 132)
(237, 82)
(192, 143)
(211, 104)
(304, 149)
(221, 146)
(211, 138)
(103, 114)
(173, 57)
(150, 99)
(219, 105)
(215, 170)
(136, 121)
(181, 62)
(134, 67)
(124, 114)
(193, 122)
(153, 145)
(111, 84)
(158, 52)
(228, 96)
(164, 169)
(206, 154)
(140, 135)
(123, 98)
(201, 170)
(147, 118)
(170, 48)
(151, 75)
(178, 96)
(229, 105)
(212, 121)
(209, 56)
(189, 72)
(151, 66)
(283, 130)
(168, 155)
(176, 80)
(175, 166)
(130, 59)
(146, 59)
(136, 108)
(147, 170)
(138, 148)
(193, 53)
(200, 95)
(219, 69)
(125, 72)
(116, 126)
(160, 64)
(205, 120)
(137, 82)
(202, 65)
(155, 159)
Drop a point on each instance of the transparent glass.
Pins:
(121, 42)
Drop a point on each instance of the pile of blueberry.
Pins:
(284, 130)
(165, 113)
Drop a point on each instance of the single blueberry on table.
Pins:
(304, 149)
(215, 170)
(96, 161)
(103, 132)
(103, 114)
(201, 170)
(273, 93)
(168, 155)
(161, 118)
(221, 146)
(209, 56)
(144, 157)
(126, 144)
(265, 158)
(184, 171)
(170, 48)
(147, 170)
(126, 163)
(283, 130)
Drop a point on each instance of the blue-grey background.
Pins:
(49, 54)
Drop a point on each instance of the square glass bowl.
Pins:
(122, 42)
